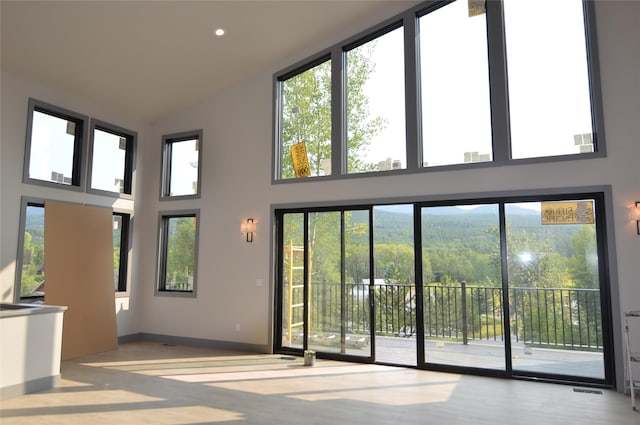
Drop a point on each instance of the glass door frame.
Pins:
(604, 288)
(601, 197)
(279, 347)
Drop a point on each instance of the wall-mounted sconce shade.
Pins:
(248, 227)
(634, 215)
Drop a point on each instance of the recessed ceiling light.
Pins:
(219, 32)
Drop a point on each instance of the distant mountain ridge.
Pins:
(454, 210)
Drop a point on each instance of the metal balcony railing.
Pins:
(566, 318)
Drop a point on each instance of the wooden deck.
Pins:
(480, 354)
(490, 355)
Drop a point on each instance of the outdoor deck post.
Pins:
(464, 311)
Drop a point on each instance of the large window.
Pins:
(181, 170)
(112, 159)
(550, 113)
(306, 123)
(454, 76)
(375, 104)
(461, 84)
(178, 252)
(53, 153)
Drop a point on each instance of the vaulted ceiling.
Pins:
(151, 58)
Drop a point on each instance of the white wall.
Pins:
(15, 95)
(237, 126)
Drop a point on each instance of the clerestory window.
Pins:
(457, 84)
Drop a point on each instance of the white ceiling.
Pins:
(151, 58)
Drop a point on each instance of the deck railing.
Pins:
(567, 318)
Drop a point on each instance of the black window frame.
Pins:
(25, 202)
(80, 137)
(130, 138)
(122, 288)
(497, 61)
(607, 276)
(163, 234)
(167, 145)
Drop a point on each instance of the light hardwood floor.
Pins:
(151, 383)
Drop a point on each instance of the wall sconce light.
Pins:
(634, 215)
(248, 227)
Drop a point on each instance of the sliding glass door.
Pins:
(502, 287)
(324, 289)
(555, 301)
(394, 285)
(516, 288)
(462, 286)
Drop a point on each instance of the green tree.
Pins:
(181, 250)
(584, 261)
(395, 263)
(33, 264)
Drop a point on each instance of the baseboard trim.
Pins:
(195, 342)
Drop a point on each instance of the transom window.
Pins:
(445, 84)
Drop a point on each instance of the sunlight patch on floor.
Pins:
(161, 416)
(80, 398)
(269, 374)
(125, 365)
(388, 396)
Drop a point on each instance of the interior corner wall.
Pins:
(15, 94)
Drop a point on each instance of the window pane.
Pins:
(32, 277)
(548, 80)
(184, 168)
(334, 304)
(306, 118)
(117, 241)
(554, 288)
(375, 105)
(293, 272)
(462, 286)
(120, 250)
(456, 116)
(52, 148)
(394, 284)
(180, 253)
(108, 162)
(325, 281)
